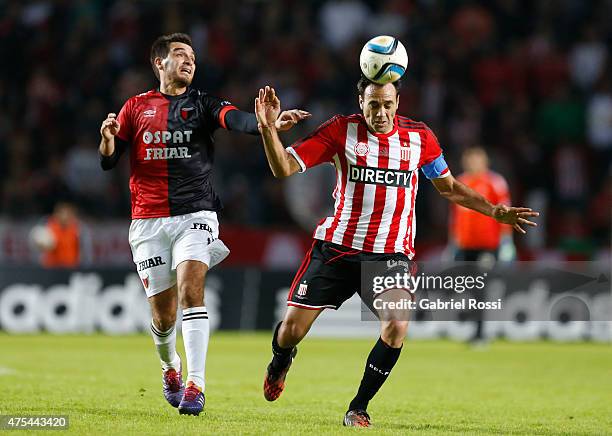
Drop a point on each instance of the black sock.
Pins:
(380, 362)
(282, 356)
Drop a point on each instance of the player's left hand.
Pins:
(287, 119)
(514, 216)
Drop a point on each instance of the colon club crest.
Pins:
(185, 112)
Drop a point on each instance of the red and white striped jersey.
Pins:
(376, 180)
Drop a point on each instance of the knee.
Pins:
(292, 332)
(191, 295)
(164, 321)
(394, 332)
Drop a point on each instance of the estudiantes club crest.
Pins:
(361, 149)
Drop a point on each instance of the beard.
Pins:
(180, 81)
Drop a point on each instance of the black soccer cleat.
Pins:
(274, 382)
(356, 418)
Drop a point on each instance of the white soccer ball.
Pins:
(383, 59)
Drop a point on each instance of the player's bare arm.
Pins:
(455, 191)
(109, 128)
(267, 110)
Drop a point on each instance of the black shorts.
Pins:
(331, 274)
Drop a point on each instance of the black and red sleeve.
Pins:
(222, 113)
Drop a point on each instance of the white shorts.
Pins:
(160, 244)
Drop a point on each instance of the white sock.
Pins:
(195, 336)
(166, 347)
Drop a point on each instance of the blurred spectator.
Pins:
(342, 21)
(87, 184)
(433, 93)
(473, 25)
(548, 65)
(571, 182)
(63, 240)
(561, 118)
(573, 235)
(390, 20)
(587, 59)
(600, 210)
(599, 127)
(465, 124)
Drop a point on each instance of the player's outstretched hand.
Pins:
(515, 216)
(110, 126)
(288, 119)
(267, 107)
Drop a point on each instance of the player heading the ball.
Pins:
(373, 221)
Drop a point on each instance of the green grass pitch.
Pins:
(112, 385)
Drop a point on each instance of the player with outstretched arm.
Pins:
(376, 155)
(174, 234)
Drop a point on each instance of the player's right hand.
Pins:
(267, 107)
(110, 127)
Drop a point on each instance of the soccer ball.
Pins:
(383, 59)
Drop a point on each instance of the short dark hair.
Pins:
(364, 82)
(161, 47)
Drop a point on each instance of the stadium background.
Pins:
(505, 74)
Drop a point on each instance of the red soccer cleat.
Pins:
(357, 418)
(173, 386)
(274, 383)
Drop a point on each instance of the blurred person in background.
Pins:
(174, 233)
(474, 237)
(63, 240)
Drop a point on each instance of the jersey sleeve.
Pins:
(125, 119)
(215, 110)
(239, 121)
(432, 162)
(319, 146)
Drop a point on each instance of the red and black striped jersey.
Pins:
(171, 145)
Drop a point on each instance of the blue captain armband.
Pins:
(436, 168)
